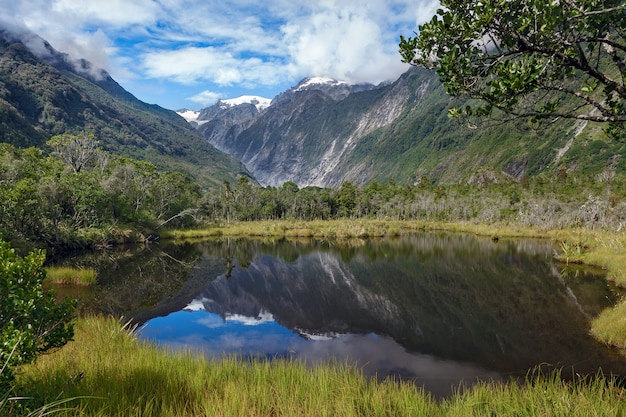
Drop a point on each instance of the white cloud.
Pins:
(193, 64)
(352, 40)
(205, 98)
(235, 43)
(115, 13)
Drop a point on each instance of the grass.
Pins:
(110, 373)
(610, 326)
(606, 249)
(343, 229)
(593, 247)
(65, 275)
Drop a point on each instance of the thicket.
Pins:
(548, 202)
(78, 196)
(81, 196)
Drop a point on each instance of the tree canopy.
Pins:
(543, 59)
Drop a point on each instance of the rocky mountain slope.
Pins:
(323, 132)
(44, 93)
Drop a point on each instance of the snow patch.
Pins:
(197, 304)
(261, 103)
(318, 336)
(309, 82)
(189, 115)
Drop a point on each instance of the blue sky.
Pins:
(188, 54)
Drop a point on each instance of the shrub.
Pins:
(31, 321)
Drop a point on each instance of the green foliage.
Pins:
(564, 200)
(537, 59)
(346, 198)
(76, 151)
(31, 321)
(39, 101)
(75, 201)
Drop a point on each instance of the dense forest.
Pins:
(75, 195)
(79, 196)
(563, 200)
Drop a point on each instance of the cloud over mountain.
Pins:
(166, 49)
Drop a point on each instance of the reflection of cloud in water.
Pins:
(374, 355)
(263, 317)
(382, 356)
(212, 321)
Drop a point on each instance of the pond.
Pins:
(437, 309)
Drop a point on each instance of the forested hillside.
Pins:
(42, 97)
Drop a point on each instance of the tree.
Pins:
(347, 198)
(76, 151)
(31, 321)
(542, 59)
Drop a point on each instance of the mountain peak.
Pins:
(312, 82)
(261, 103)
(43, 50)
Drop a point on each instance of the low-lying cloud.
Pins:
(216, 43)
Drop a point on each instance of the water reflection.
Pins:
(438, 309)
(263, 337)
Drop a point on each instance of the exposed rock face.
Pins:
(307, 131)
(323, 132)
(220, 126)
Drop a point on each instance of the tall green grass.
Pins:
(610, 326)
(343, 229)
(65, 275)
(122, 376)
(593, 247)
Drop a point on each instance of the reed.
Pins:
(326, 229)
(64, 275)
(111, 373)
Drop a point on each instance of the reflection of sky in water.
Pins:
(264, 337)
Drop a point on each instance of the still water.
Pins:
(436, 309)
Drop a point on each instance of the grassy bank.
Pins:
(593, 247)
(116, 375)
(345, 229)
(64, 275)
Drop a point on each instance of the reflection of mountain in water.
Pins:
(316, 293)
(455, 297)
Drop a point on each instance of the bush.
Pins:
(31, 320)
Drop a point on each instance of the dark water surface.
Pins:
(436, 309)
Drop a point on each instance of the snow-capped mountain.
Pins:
(261, 103)
(200, 117)
(189, 115)
(238, 127)
(311, 83)
(329, 87)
